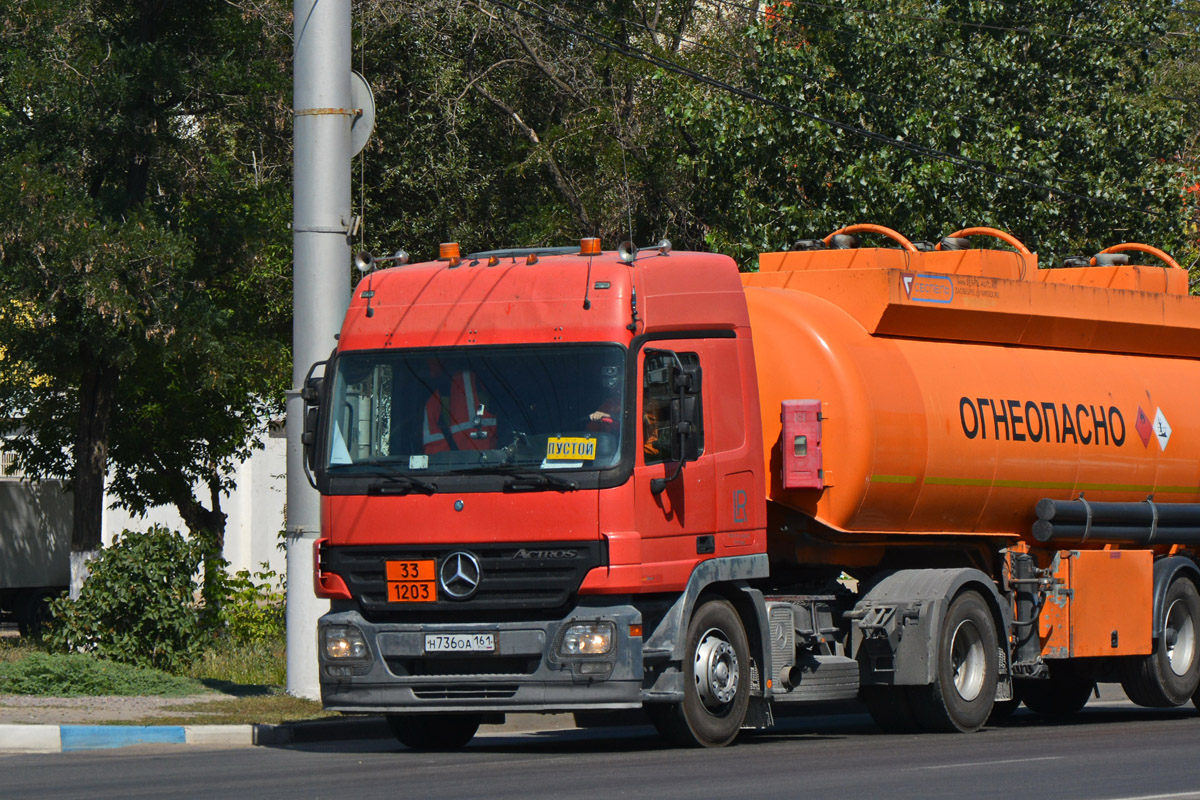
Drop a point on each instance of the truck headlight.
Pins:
(595, 638)
(344, 643)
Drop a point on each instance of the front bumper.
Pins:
(525, 673)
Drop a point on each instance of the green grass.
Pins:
(79, 675)
(259, 664)
(251, 677)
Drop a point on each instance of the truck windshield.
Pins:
(481, 409)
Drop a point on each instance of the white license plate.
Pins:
(460, 643)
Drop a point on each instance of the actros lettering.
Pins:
(1034, 421)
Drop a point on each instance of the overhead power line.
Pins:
(824, 82)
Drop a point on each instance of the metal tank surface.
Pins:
(956, 389)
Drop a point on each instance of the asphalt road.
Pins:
(1110, 751)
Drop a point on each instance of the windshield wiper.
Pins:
(397, 483)
(532, 479)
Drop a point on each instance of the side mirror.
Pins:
(687, 378)
(685, 420)
(309, 437)
(311, 392)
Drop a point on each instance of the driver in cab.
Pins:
(456, 414)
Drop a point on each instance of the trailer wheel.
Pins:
(716, 678)
(1170, 675)
(889, 707)
(964, 686)
(1063, 693)
(434, 732)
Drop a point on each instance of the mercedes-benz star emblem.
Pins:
(460, 575)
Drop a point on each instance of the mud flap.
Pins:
(896, 624)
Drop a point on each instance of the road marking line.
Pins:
(1173, 796)
(991, 763)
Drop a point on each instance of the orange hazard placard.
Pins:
(411, 581)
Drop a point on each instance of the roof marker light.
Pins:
(448, 251)
(589, 247)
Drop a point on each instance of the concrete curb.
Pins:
(67, 738)
(29, 738)
(22, 738)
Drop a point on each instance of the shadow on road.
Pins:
(819, 724)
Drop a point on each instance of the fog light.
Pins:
(344, 643)
(588, 639)
(595, 668)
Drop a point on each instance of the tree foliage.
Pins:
(742, 126)
(496, 129)
(930, 118)
(144, 197)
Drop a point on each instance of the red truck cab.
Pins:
(531, 462)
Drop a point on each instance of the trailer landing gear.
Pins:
(716, 681)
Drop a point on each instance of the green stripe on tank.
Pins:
(893, 479)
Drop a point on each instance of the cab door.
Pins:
(674, 513)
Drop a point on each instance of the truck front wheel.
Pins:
(964, 687)
(434, 732)
(716, 676)
(1170, 675)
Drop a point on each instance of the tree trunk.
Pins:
(96, 392)
(206, 525)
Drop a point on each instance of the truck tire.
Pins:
(964, 686)
(33, 611)
(716, 678)
(1002, 710)
(1170, 675)
(434, 731)
(1063, 693)
(889, 707)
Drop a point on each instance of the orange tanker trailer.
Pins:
(937, 477)
(967, 407)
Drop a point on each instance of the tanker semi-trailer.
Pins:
(934, 477)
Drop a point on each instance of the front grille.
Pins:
(494, 691)
(519, 665)
(509, 585)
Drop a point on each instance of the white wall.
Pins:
(40, 515)
(254, 509)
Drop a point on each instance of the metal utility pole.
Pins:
(321, 227)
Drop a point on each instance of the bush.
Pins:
(138, 605)
(253, 610)
(77, 674)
